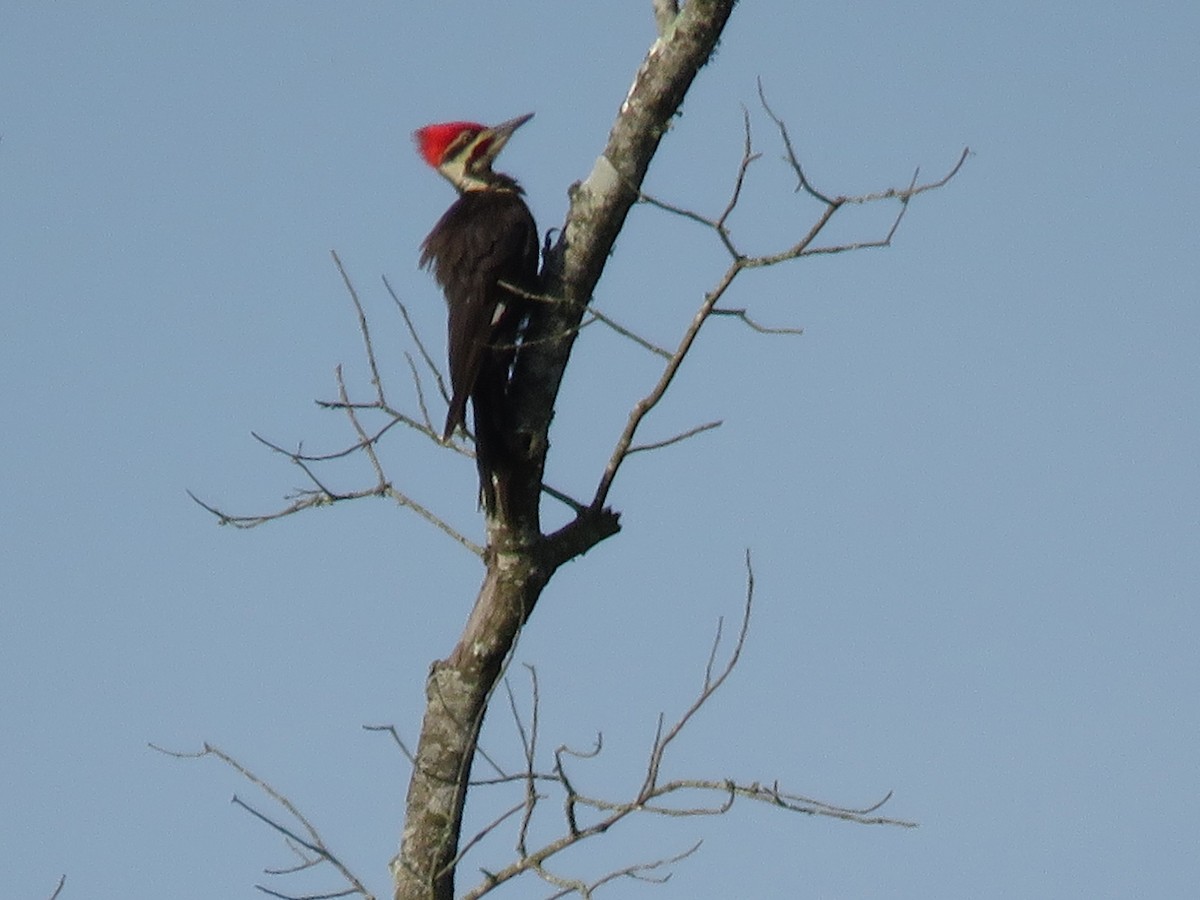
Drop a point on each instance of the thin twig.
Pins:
(324, 496)
(682, 436)
(431, 517)
(415, 335)
(683, 797)
(803, 247)
(416, 377)
(748, 157)
(805, 184)
(642, 407)
(529, 746)
(638, 871)
(391, 729)
(306, 862)
(314, 842)
(744, 316)
(565, 499)
(363, 328)
(484, 832)
(337, 454)
(367, 445)
(627, 333)
(591, 310)
(711, 685)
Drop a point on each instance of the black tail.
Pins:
(455, 416)
(488, 402)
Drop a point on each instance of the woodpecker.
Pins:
(487, 237)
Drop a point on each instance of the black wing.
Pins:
(484, 238)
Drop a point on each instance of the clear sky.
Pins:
(971, 488)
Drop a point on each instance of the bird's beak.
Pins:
(505, 129)
(497, 136)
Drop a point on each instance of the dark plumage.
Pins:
(484, 238)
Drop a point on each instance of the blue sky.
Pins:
(971, 488)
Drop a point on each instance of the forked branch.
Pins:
(585, 816)
(367, 441)
(302, 838)
(740, 260)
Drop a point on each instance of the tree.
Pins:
(519, 558)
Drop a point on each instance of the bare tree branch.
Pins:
(391, 729)
(520, 558)
(529, 747)
(314, 843)
(415, 335)
(416, 377)
(718, 224)
(591, 310)
(366, 444)
(743, 316)
(682, 436)
(486, 830)
(628, 333)
(306, 499)
(363, 328)
(637, 871)
(711, 685)
(791, 153)
(642, 407)
(803, 247)
(675, 798)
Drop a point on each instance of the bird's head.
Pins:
(464, 151)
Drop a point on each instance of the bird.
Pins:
(486, 241)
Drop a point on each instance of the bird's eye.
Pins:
(461, 142)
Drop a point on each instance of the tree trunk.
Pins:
(520, 560)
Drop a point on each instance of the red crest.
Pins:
(432, 140)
